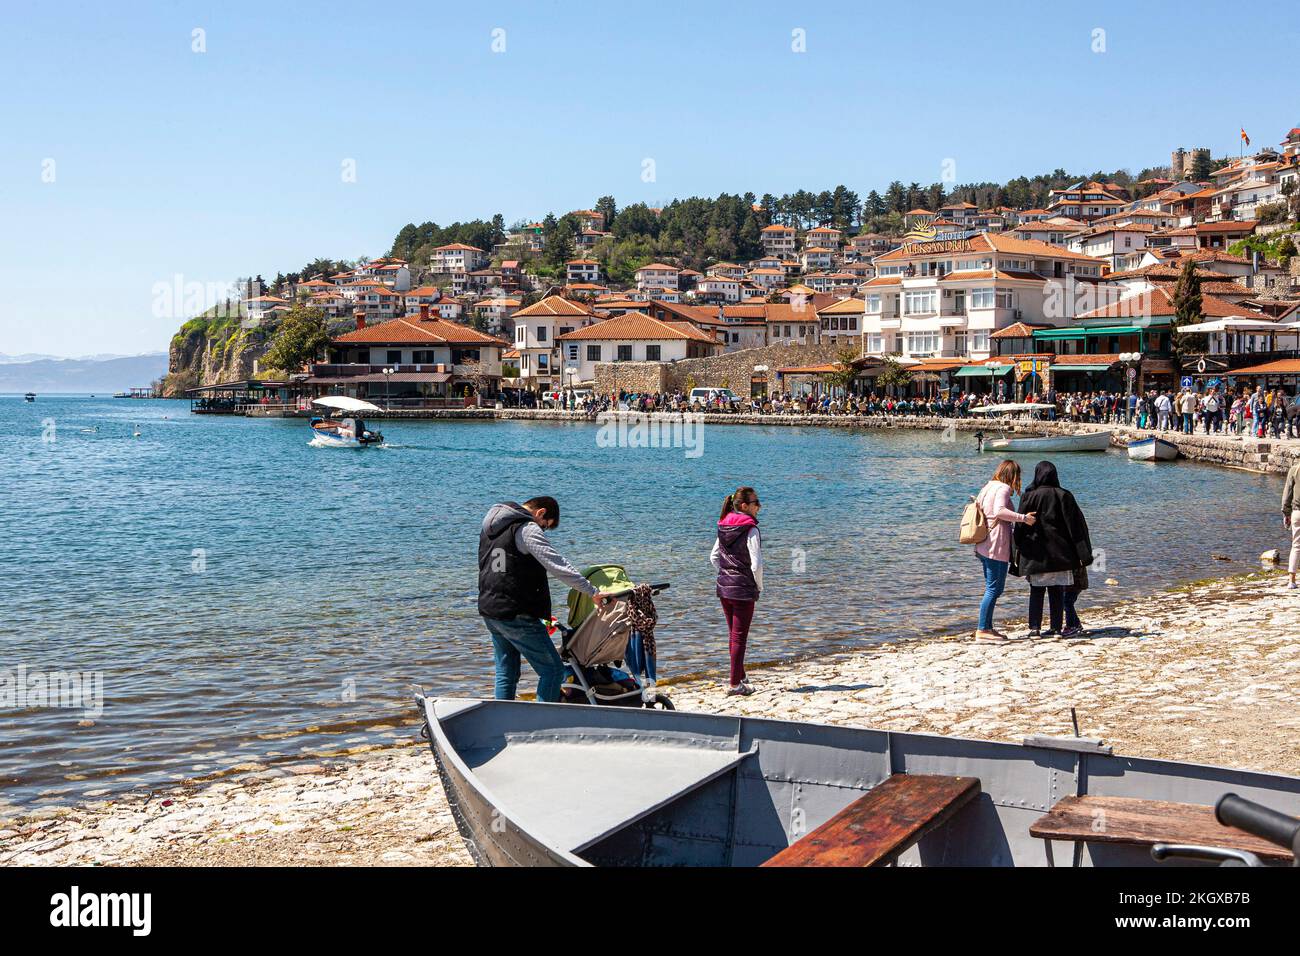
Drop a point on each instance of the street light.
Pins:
(1130, 361)
(388, 399)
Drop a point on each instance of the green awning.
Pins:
(967, 371)
(1052, 335)
(1058, 369)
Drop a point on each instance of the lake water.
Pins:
(247, 598)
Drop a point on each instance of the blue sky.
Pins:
(219, 164)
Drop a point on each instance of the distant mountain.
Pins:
(82, 375)
(25, 357)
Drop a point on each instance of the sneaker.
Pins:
(739, 690)
(1290, 585)
(990, 637)
(1073, 632)
(1034, 633)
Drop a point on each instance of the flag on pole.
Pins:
(1244, 138)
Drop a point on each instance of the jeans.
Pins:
(739, 615)
(525, 636)
(995, 581)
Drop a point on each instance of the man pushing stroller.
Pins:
(514, 594)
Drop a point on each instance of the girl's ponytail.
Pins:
(727, 506)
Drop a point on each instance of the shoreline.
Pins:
(1202, 672)
(1240, 452)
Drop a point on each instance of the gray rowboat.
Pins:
(567, 785)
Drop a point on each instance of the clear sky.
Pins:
(212, 165)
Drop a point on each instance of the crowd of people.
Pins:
(1261, 413)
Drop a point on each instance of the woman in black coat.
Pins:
(1053, 553)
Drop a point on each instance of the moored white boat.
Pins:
(1152, 449)
(1088, 441)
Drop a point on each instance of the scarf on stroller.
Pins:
(642, 613)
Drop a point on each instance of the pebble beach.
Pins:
(1206, 673)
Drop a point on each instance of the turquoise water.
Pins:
(249, 598)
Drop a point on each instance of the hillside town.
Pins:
(1103, 289)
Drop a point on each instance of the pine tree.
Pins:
(1187, 303)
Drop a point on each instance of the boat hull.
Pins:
(1152, 449)
(557, 785)
(1089, 441)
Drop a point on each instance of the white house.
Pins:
(842, 321)
(537, 331)
(778, 241)
(582, 271)
(632, 337)
(717, 289)
(458, 257)
(657, 275)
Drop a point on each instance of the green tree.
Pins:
(893, 375)
(1187, 303)
(606, 206)
(845, 371)
(299, 338)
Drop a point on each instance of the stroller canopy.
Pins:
(605, 578)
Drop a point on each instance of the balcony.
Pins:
(350, 369)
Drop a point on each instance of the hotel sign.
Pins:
(940, 242)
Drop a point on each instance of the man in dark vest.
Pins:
(514, 595)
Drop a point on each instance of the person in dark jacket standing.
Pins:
(738, 558)
(514, 594)
(1052, 553)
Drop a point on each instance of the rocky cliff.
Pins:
(210, 350)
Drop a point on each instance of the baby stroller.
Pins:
(608, 661)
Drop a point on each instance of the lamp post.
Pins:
(1130, 361)
(388, 396)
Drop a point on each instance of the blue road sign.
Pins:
(1187, 381)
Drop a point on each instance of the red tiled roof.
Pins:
(416, 332)
(1159, 302)
(636, 326)
(1018, 330)
(553, 305)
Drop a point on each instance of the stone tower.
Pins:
(1178, 160)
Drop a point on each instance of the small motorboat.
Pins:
(29, 397)
(344, 431)
(1152, 449)
(533, 784)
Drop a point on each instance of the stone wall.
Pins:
(734, 369)
(631, 377)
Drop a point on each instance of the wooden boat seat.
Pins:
(1096, 819)
(880, 825)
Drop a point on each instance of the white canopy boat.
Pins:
(1152, 449)
(344, 431)
(1032, 411)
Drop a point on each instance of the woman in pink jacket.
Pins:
(994, 551)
